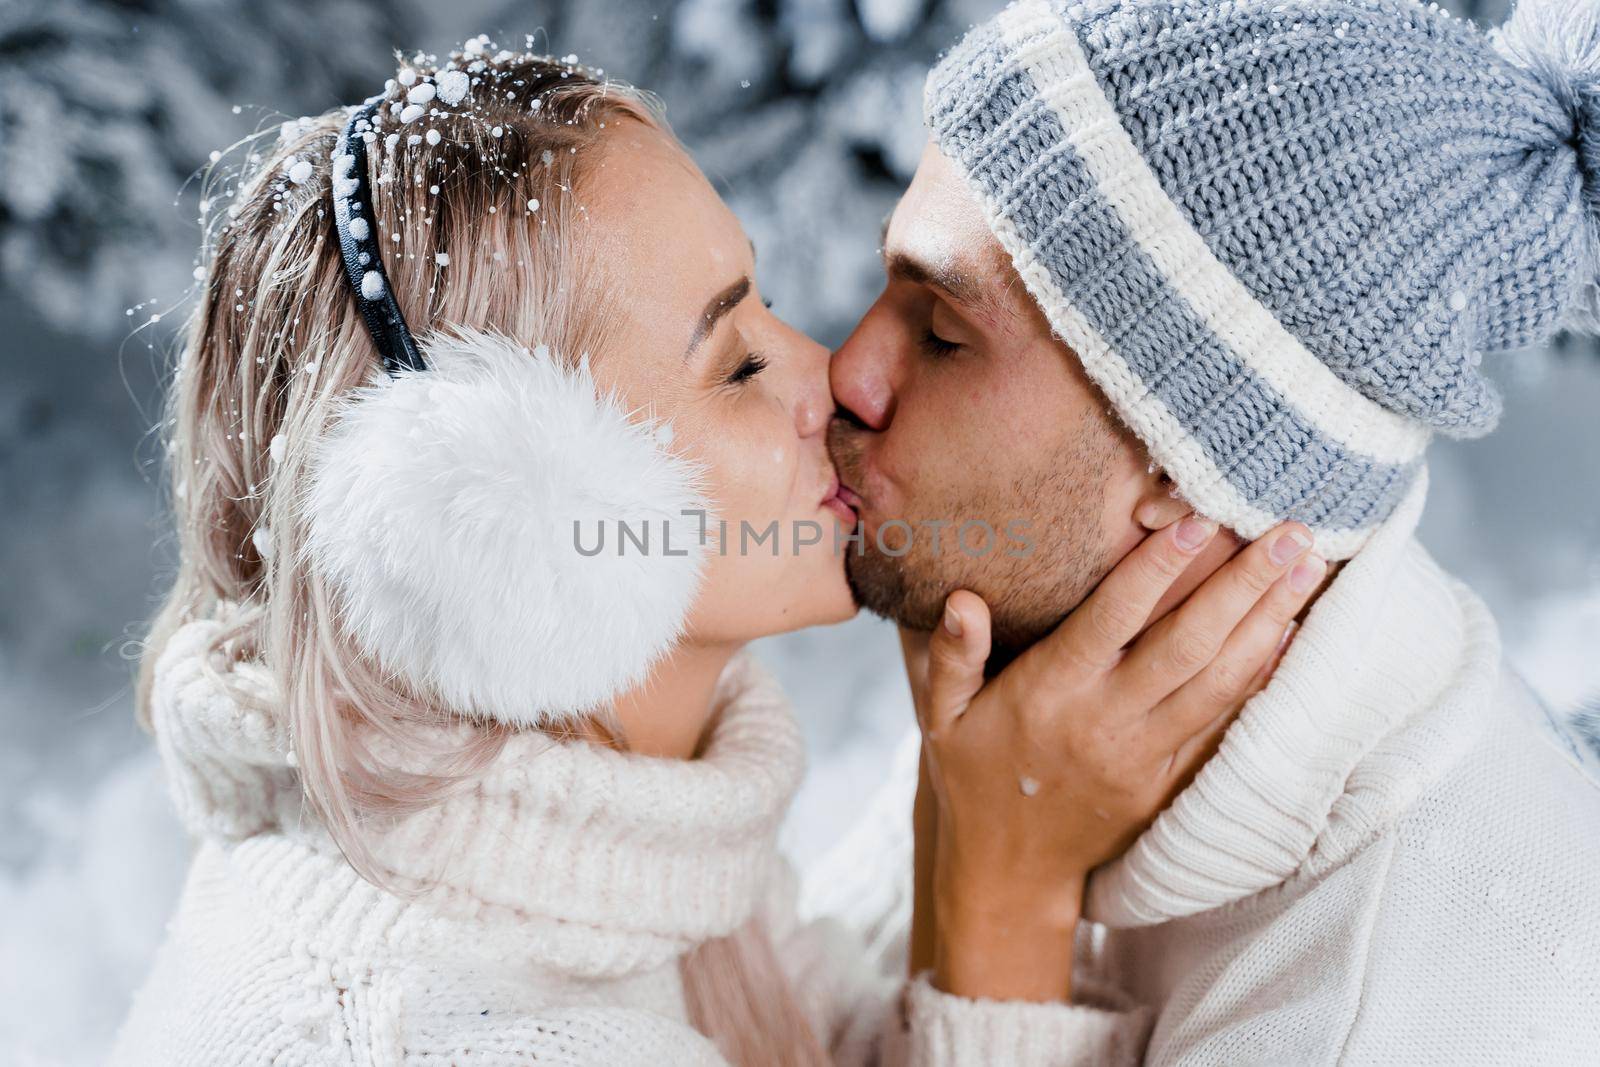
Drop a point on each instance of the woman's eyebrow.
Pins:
(716, 308)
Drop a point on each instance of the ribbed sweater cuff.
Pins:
(1102, 1029)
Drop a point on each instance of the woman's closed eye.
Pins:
(752, 364)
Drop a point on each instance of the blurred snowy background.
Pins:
(806, 112)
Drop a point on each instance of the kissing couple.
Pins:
(1218, 767)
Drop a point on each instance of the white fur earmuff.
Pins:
(441, 510)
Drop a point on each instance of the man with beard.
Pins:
(1243, 258)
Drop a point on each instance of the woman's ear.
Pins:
(1159, 506)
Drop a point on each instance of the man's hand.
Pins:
(1057, 764)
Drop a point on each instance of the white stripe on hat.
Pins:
(1051, 56)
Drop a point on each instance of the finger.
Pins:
(1264, 675)
(1183, 644)
(1159, 512)
(1198, 749)
(1235, 674)
(1111, 616)
(925, 841)
(914, 650)
(957, 650)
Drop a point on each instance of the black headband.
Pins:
(363, 266)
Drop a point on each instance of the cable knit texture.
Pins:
(553, 901)
(1394, 857)
(1277, 235)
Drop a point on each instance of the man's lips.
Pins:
(841, 501)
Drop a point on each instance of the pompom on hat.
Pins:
(444, 504)
(1558, 44)
(1280, 235)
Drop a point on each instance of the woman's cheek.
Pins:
(755, 473)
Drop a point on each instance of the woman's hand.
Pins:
(1056, 765)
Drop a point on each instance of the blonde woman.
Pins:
(476, 407)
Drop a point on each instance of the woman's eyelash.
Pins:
(935, 345)
(753, 364)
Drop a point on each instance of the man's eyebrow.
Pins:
(716, 308)
(962, 288)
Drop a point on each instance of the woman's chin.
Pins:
(825, 597)
(848, 610)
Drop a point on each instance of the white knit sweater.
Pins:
(557, 897)
(1394, 858)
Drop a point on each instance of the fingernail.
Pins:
(1306, 574)
(1289, 544)
(1193, 532)
(952, 621)
(1283, 642)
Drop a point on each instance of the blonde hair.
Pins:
(276, 341)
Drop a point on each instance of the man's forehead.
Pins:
(939, 229)
(940, 250)
(939, 220)
(975, 276)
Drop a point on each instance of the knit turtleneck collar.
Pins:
(588, 860)
(1390, 634)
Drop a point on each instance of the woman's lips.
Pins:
(841, 501)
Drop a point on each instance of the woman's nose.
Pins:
(814, 405)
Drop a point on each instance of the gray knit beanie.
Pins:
(1279, 235)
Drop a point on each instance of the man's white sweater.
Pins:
(1394, 857)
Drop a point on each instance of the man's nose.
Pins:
(861, 376)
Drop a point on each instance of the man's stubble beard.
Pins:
(1028, 591)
